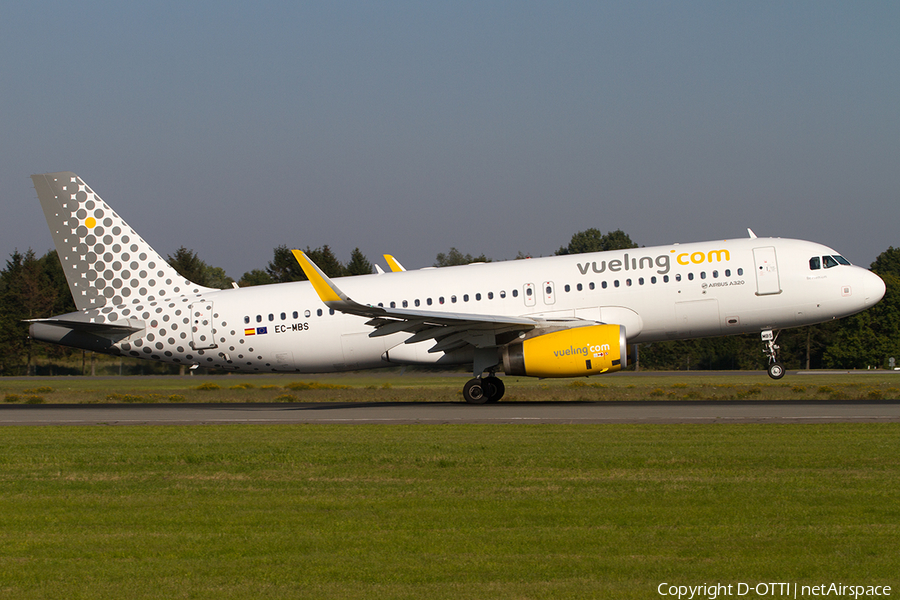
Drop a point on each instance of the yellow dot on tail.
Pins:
(90, 222)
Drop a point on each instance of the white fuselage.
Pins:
(132, 302)
(659, 293)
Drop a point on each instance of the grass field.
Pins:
(465, 511)
(394, 386)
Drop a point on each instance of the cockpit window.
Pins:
(829, 262)
(841, 260)
(815, 263)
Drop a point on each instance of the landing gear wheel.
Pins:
(494, 388)
(776, 370)
(474, 392)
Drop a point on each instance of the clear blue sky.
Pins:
(494, 127)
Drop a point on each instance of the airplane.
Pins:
(558, 316)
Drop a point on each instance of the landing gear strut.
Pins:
(775, 369)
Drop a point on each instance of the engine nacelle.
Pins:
(575, 352)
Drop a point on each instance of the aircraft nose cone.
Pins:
(874, 288)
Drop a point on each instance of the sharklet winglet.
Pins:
(328, 292)
(393, 263)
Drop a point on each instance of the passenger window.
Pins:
(604, 285)
(246, 319)
(465, 297)
(405, 304)
(579, 287)
(417, 302)
(453, 299)
(515, 293)
(318, 313)
(640, 281)
(727, 272)
(428, 301)
(296, 314)
(306, 313)
(815, 263)
(283, 317)
(678, 277)
(259, 318)
(528, 291)
(653, 279)
(478, 297)
(591, 285)
(441, 300)
(702, 274)
(740, 272)
(690, 276)
(616, 283)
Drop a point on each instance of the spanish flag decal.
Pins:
(250, 331)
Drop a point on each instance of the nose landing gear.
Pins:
(775, 368)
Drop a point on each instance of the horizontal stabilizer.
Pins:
(78, 330)
(121, 328)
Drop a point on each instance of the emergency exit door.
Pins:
(202, 330)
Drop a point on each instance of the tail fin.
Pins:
(105, 261)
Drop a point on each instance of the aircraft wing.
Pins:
(449, 330)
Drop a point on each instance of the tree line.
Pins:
(34, 287)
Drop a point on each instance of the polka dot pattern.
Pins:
(115, 276)
(105, 261)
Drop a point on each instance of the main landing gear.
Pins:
(484, 390)
(775, 369)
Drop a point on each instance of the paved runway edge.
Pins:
(700, 411)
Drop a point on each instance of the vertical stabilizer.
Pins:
(105, 261)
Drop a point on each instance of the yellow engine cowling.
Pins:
(576, 352)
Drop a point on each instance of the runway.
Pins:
(824, 411)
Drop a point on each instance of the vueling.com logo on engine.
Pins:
(597, 351)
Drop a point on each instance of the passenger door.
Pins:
(767, 280)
